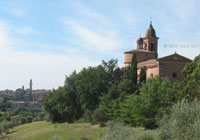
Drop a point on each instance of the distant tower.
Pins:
(31, 93)
(31, 85)
(22, 87)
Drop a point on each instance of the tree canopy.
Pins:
(191, 73)
(82, 91)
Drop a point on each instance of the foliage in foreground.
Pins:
(5, 126)
(183, 123)
(116, 130)
(156, 97)
(191, 73)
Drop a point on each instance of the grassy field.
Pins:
(46, 130)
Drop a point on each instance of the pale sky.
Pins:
(45, 40)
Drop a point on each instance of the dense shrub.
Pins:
(22, 120)
(116, 130)
(29, 119)
(15, 122)
(41, 116)
(47, 117)
(5, 126)
(183, 123)
(88, 115)
(98, 116)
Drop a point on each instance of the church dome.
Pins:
(150, 32)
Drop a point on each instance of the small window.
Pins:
(151, 75)
(174, 74)
(152, 47)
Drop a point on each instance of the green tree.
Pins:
(63, 104)
(156, 97)
(130, 72)
(113, 71)
(94, 81)
(82, 91)
(134, 111)
(191, 73)
(133, 69)
(90, 86)
(143, 75)
(110, 102)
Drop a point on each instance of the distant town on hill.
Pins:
(23, 99)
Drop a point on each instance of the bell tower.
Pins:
(147, 48)
(150, 41)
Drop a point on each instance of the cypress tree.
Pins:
(133, 69)
(142, 75)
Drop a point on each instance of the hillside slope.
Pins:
(46, 131)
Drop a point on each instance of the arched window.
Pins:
(151, 75)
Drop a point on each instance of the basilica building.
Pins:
(147, 56)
